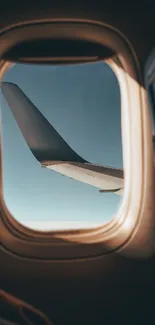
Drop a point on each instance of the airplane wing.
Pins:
(41, 137)
(51, 150)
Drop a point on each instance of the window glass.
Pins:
(152, 102)
(82, 104)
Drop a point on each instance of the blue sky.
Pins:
(82, 102)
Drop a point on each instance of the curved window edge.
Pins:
(117, 234)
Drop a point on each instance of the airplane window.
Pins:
(61, 120)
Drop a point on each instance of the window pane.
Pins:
(82, 104)
(152, 102)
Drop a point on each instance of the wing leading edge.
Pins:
(51, 150)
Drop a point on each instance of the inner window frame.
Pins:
(111, 236)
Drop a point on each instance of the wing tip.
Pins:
(5, 85)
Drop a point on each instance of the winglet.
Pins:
(43, 140)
